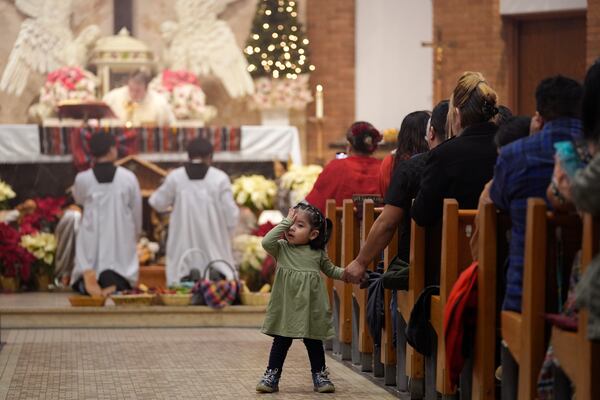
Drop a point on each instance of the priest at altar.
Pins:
(137, 104)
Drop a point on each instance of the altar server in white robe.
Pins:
(112, 220)
(204, 214)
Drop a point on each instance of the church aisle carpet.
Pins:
(205, 363)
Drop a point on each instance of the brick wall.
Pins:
(479, 39)
(476, 38)
(331, 31)
(593, 31)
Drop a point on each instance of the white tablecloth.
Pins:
(20, 144)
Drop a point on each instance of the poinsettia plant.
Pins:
(6, 193)
(14, 259)
(42, 246)
(281, 93)
(41, 214)
(254, 191)
(182, 91)
(68, 83)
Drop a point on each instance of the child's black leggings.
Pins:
(281, 345)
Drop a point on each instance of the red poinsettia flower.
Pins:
(14, 259)
(263, 229)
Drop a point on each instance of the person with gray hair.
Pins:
(136, 104)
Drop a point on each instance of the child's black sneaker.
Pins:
(269, 383)
(322, 382)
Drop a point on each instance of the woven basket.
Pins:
(255, 299)
(133, 299)
(176, 299)
(87, 301)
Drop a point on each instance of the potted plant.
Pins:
(15, 261)
(255, 192)
(6, 193)
(42, 246)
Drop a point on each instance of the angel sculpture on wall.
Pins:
(45, 43)
(202, 43)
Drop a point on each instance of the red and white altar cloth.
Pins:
(59, 143)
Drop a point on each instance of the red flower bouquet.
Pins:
(14, 259)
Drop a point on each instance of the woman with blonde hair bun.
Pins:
(460, 167)
(472, 101)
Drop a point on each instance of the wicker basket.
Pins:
(87, 301)
(255, 298)
(133, 299)
(179, 299)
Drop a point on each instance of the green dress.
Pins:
(299, 305)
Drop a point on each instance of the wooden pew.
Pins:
(492, 250)
(362, 342)
(457, 228)
(388, 350)
(334, 251)
(342, 292)
(334, 246)
(525, 333)
(578, 356)
(409, 362)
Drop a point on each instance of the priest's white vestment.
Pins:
(153, 109)
(202, 222)
(110, 226)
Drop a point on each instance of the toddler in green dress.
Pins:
(299, 304)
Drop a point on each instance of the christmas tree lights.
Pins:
(276, 46)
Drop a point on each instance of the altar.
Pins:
(41, 160)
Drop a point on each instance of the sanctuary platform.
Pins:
(53, 310)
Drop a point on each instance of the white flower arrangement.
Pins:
(281, 93)
(41, 244)
(250, 252)
(184, 95)
(6, 192)
(299, 180)
(254, 191)
(68, 83)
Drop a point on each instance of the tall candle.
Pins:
(319, 102)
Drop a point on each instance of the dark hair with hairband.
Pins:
(319, 222)
(363, 137)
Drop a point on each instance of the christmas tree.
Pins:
(277, 46)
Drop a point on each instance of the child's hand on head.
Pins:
(292, 214)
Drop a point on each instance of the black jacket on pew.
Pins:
(457, 169)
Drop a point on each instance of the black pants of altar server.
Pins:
(281, 345)
(107, 278)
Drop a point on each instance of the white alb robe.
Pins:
(202, 222)
(153, 109)
(111, 224)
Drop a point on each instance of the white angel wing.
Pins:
(37, 49)
(219, 6)
(226, 60)
(32, 8)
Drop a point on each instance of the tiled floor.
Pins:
(157, 364)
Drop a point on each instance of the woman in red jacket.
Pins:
(356, 174)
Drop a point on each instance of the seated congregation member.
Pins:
(524, 168)
(582, 190)
(105, 248)
(411, 140)
(513, 128)
(204, 213)
(357, 174)
(504, 113)
(403, 188)
(461, 166)
(137, 104)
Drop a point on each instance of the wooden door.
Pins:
(546, 47)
